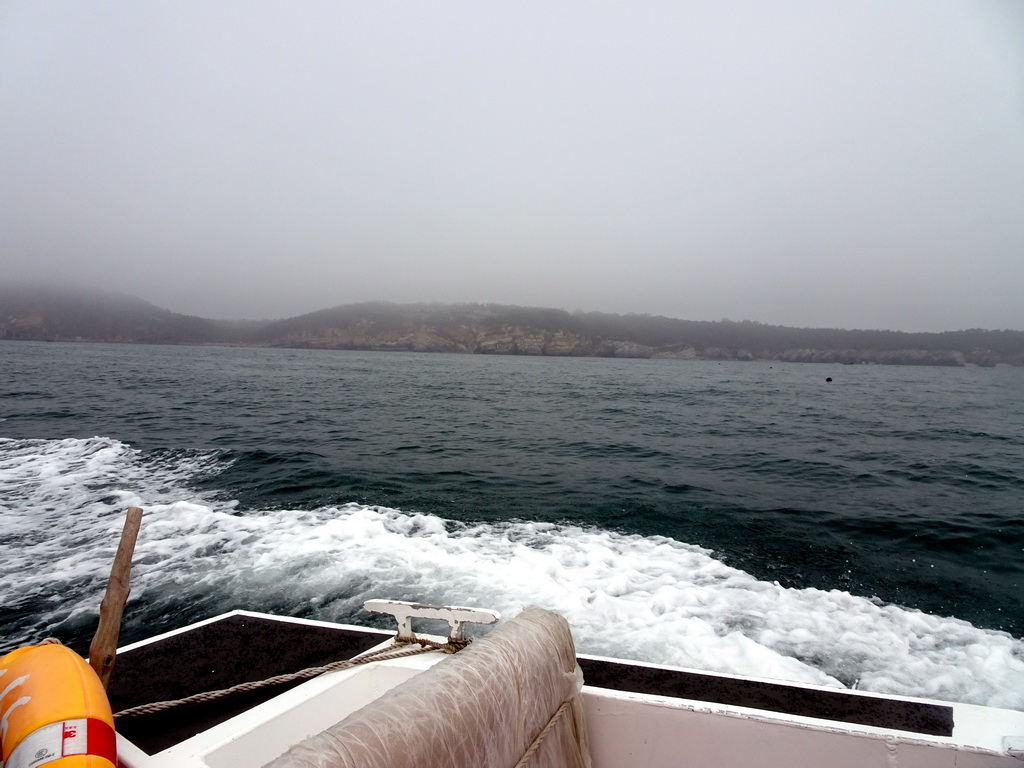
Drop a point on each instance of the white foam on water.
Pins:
(633, 597)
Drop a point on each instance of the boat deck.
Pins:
(243, 647)
(235, 649)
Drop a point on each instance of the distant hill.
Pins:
(497, 329)
(63, 315)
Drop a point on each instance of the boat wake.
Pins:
(645, 598)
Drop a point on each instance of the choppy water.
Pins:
(741, 517)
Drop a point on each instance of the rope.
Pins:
(543, 734)
(450, 646)
(379, 654)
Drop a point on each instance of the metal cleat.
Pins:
(456, 616)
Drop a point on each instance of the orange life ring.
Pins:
(53, 711)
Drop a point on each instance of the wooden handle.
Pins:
(103, 647)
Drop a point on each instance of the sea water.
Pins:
(750, 518)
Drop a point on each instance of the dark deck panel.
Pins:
(240, 649)
(236, 649)
(841, 706)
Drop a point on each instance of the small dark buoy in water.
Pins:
(828, 379)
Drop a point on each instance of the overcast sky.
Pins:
(849, 163)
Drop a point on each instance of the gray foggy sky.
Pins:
(851, 163)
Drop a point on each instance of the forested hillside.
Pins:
(61, 315)
(48, 314)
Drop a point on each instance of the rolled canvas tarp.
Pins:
(481, 708)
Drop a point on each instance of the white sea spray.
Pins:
(627, 596)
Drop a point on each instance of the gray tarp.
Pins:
(481, 708)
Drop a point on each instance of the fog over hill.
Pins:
(49, 314)
(851, 163)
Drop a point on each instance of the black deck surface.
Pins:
(240, 649)
(236, 649)
(842, 706)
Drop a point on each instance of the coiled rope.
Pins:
(380, 654)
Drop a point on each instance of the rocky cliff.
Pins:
(495, 329)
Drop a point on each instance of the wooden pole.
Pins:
(103, 648)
